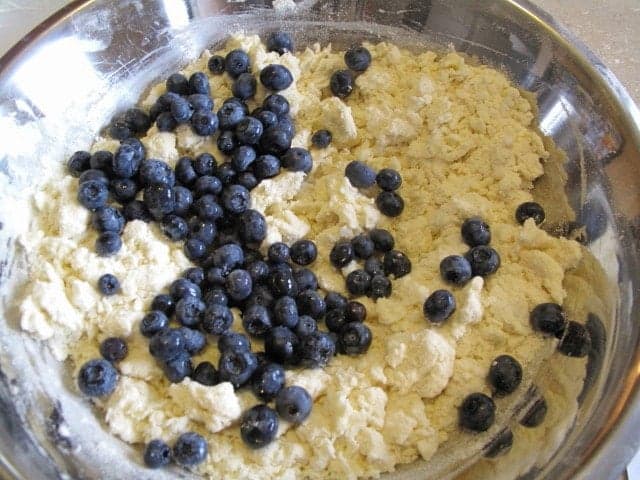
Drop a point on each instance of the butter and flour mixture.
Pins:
(465, 142)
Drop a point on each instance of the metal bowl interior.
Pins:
(65, 80)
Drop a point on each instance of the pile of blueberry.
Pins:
(357, 60)
(388, 201)
(375, 249)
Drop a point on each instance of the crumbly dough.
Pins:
(463, 139)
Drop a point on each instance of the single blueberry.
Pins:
(79, 162)
(125, 163)
(248, 131)
(93, 194)
(207, 208)
(194, 340)
(194, 275)
(576, 341)
(217, 319)
(203, 230)
(389, 203)
(165, 122)
(181, 110)
(108, 243)
(335, 300)
(267, 381)
(357, 58)
(305, 279)
(189, 311)
(177, 368)
(216, 276)
(477, 412)
(114, 349)
(118, 128)
(159, 199)
(259, 426)
(475, 232)
(226, 173)
(321, 138)
(439, 306)
(165, 303)
(360, 175)
(335, 319)
(455, 269)
(388, 179)
(252, 227)
(195, 249)
(316, 350)
(123, 189)
(137, 120)
(156, 172)
(97, 378)
(341, 254)
(207, 185)
(244, 86)
(199, 83)
(505, 375)
(234, 341)
(228, 257)
(341, 83)
(236, 62)
(102, 160)
(355, 311)
(276, 103)
(216, 64)
(107, 219)
(229, 115)
(354, 338)
(235, 199)
(204, 122)
(174, 227)
(380, 287)
(548, 318)
(484, 260)
(183, 199)
(373, 266)
(108, 284)
(293, 404)
(358, 282)
(282, 282)
(157, 454)
(281, 345)
(237, 366)
(305, 326)
(205, 374)
(248, 180)
(275, 141)
(93, 175)
(226, 141)
(167, 344)
(311, 303)
(256, 320)
(363, 246)
(267, 118)
(242, 158)
(190, 449)
(200, 101)
(280, 42)
(279, 252)
(177, 83)
(153, 322)
(396, 263)
(205, 164)
(261, 295)
(285, 312)
(297, 159)
(530, 210)
(136, 210)
(182, 288)
(276, 77)
(303, 252)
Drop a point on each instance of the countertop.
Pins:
(611, 29)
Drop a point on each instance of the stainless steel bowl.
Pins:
(65, 80)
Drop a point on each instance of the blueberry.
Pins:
(234, 341)
(297, 159)
(125, 163)
(275, 141)
(137, 120)
(267, 381)
(108, 243)
(358, 282)
(79, 162)
(316, 350)
(439, 306)
(207, 185)
(259, 426)
(321, 138)
(244, 86)
(388, 179)
(499, 445)
(226, 141)
(285, 312)
(237, 366)
(136, 210)
(156, 172)
(229, 115)
(177, 368)
(281, 282)
(475, 232)
(360, 175)
(189, 311)
(256, 320)
(239, 102)
(267, 118)
(205, 165)
(276, 103)
(216, 276)
(101, 160)
(373, 266)
(396, 263)
(380, 287)
(190, 449)
(108, 284)
(363, 246)
(281, 345)
(216, 64)
(484, 260)
(248, 180)
(334, 300)
(113, 349)
(505, 375)
(258, 271)
(226, 173)
(239, 284)
(236, 62)
(107, 219)
(248, 131)
(181, 110)
(242, 158)
(294, 404)
(455, 269)
(390, 203)
(305, 279)
(203, 230)
(155, 110)
(138, 147)
(235, 199)
(194, 340)
(177, 83)
(217, 319)
(174, 227)
(159, 199)
(154, 322)
(305, 326)
(183, 199)
(341, 254)
(576, 341)
(182, 288)
(279, 252)
(200, 101)
(165, 122)
(199, 83)
(341, 83)
(123, 189)
(355, 312)
(252, 227)
(477, 412)
(167, 344)
(280, 42)
(157, 454)
(204, 122)
(535, 415)
(93, 175)
(357, 58)
(354, 338)
(97, 378)
(303, 252)
(530, 210)
(93, 194)
(194, 275)
(216, 296)
(276, 77)
(205, 374)
(335, 319)
(311, 303)
(207, 208)
(228, 257)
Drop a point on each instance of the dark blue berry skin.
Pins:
(360, 175)
(305, 326)
(548, 318)
(244, 86)
(248, 180)
(226, 173)
(153, 322)
(258, 270)
(190, 449)
(279, 252)
(363, 246)
(305, 279)
(157, 454)
(108, 284)
(93, 175)
(505, 375)
(199, 101)
(285, 312)
(334, 300)
(277, 104)
(276, 77)
(535, 415)
(335, 319)
(261, 295)
(281, 345)
(156, 172)
(182, 288)
(78, 163)
(238, 101)
(341, 83)
(341, 254)
(205, 374)
(194, 340)
(293, 404)
(216, 276)
(93, 194)
(137, 146)
(275, 141)
(237, 366)
(236, 62)
(439, 306)
(267, 381)
(216, 65)
(530, 210)
(455, 269)
(484, 260)
(205, 164)
(576, 341)
(266, 166)
(195, 249)
(380, 287)
(286, 123)
(108, 243)
(174, 227)
(136, 210)
(357, 59)
(204, 122)
(242, 158)
(316, 350)
(235, 199)
(396, 263)
(102, 160)
(113, 349)
(165, 303)
(311, 303)
(199, 83)
(167, 344)
(203, 230)
(259, 426)
(358, 282)
(177, 83)
(248, 131)
(303, 252)
(159, 199)
(216, 296)
(137, 120)
(217, 319)
(256, 320)
(321, 139)
(280, 42)
(267, 118)
(252, 227)
(107, 219)
(189, 311)
(297, 159)
(477, 412)
(125, 163)
(207, 185)
(475, 232)
(178, 368)
(228, 257)
(207, 208)
(156, 109)
(181, 110)
(239, 284)
(355, 312)
(123, 189)
(183, 199)
(373, 266)
(165, 122)
(389, 203)
(195, 275)
(234, 341)
(229, 115)
(500, 445)
(282, 282)
(388, 179)
(97, 378)
(226, 141)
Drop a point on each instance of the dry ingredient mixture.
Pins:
(414, 145)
